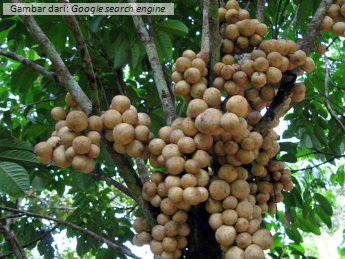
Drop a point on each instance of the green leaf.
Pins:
(324, 203)
(23, 78)
(96, 23)
(164, 45)
(298, 249)
(339, 176)
(175, 27)
(14, 179)
(38, 183)
(121, 53)
(324, 217)
(306, 141)
(291, 158)
(13, 143)
(135, 54)
(19, 156)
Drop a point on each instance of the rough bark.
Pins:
(260, 10)
(205, 35)
(215, 38)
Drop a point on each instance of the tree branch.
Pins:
(142, 170)
(314, 26)
(40, 237)
(328, 106)
(277, 105)
(205, 36)
(11, 238)
(63, 74)
(39, 69)
(311, 167)
(214, 37)
(84, 53)
(322, 153)
(161, 84)
(247, 5)
(276, 108)
(260, 10)
(118, 185)
(122, 249)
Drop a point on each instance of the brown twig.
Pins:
(11, 238)
(322, 153)
(38, 68)
(118, 185)
(311, 167)
(85, 56)
(247, 5)
(161, 84)
(260, 10)
(314, 26)
(122, 249)
(326, 92)
(12, 216)
(40, 237)
(63, 74)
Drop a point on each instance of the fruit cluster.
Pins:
(76, 139)
(127, 128)
(240, 34)
(214, 157)
(214, 154)
(189, 73)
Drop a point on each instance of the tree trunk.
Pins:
(201, 240)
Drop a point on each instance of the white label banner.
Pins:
(88, 9)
